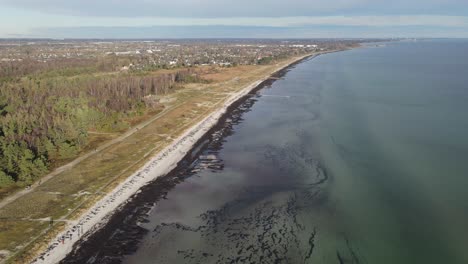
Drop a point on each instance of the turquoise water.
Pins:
(353, 157)
(397, 122)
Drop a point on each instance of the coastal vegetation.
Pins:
(48, 111)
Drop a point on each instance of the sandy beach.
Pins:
(160, 165)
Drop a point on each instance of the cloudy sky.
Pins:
(233, 18)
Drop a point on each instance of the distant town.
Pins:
(150, 54)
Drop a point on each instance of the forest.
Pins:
(47, 109)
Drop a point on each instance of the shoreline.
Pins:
(161, 164)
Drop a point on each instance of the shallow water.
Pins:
(352, 157)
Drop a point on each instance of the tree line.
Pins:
(46, 119)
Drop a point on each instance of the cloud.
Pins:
(26, 16)
(371, 21)
(415, 20)
(163, 32)
(239, 8)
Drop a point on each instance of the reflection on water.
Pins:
(349, 164)
(264, 223)
(262, 215)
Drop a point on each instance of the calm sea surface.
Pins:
(352, 157)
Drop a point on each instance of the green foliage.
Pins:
(20, 163)
(265, 60)
(188, 77)
(5, 180)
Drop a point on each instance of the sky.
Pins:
(233, 19)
